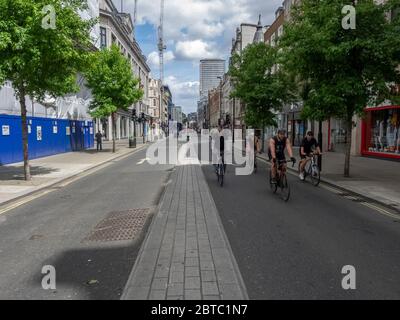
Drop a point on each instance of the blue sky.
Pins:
(194, 29)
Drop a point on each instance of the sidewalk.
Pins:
(51, 170)
(186, 255)
(376, 179)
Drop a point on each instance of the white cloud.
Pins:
(195, 50)
(196, 29)
(154, 59)
(207, 20)
(184, 93)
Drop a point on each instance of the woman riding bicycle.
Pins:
(276, 152)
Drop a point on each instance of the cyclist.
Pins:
(219, 146)
(309, 146)
(257, 147)
(276, 152)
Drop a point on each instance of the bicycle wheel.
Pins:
(273, 186)
(284, 188)
(315, 175)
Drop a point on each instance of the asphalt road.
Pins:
(297, 250)
(50, 231)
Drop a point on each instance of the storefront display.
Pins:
(381, 132)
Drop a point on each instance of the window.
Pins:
(280, 31)
(383, 131)
(103, 38)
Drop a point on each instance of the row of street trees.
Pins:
(41, 60)
(332, 71)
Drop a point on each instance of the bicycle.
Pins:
(312, 171)
(281, 180)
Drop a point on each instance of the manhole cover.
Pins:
(119, 226)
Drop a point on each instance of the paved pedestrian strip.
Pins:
(186, 255)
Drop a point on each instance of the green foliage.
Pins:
(42, 61)
(259, 84)
(342, 71)
(112, 83)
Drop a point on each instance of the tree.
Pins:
(259, 83)
(112, 84)
(342, 70)
(43, 45)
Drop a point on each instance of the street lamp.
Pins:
(320, 145)
(134, 119)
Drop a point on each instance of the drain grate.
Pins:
(119, 226)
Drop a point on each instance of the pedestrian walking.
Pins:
(99, 140)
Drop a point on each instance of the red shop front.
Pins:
(381, 132)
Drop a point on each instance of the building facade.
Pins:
(234, 109)
(211, 72)
(214, 106)
(158, 111)
(177, 116)
(116, 28)
(375, 134)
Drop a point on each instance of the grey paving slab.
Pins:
(186, 254)
(193, 294)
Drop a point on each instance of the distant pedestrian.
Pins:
(99, 140)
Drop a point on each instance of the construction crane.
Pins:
(135, 16)
(161, 46)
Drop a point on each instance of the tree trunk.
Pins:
(27, 171)
(113, 130)
(349, 127)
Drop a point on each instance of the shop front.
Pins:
(381, 132)
(337, 139)
(296, 128)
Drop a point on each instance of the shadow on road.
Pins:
(90, 274)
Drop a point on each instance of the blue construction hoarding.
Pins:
(46, 137)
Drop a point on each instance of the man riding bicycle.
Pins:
(276, 152)
(219, 146)
(309, 147)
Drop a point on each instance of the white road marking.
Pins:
(143, 161)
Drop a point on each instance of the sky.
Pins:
(193, 30)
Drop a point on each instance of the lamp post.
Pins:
(134, 119)
(143, 119)
(320, 145)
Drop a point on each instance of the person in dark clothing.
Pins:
(277, 146)
(99, 140)
(308, 147)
